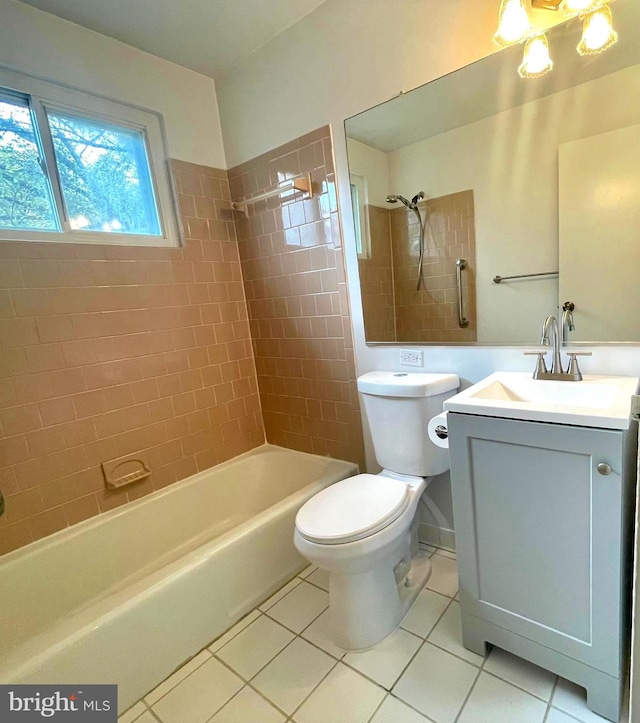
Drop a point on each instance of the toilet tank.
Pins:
(399, 407)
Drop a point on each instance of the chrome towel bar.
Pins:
(500, 279)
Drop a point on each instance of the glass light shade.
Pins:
(537, 59)
(598, 33)
(513, 25)
(580, 6)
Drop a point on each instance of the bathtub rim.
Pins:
(104, 517)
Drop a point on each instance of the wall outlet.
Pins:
(635, 406)
(411, 358)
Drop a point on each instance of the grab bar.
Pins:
(461, 265)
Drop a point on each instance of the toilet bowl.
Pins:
(363, 530)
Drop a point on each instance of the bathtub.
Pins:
(128, 596)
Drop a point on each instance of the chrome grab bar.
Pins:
(461, 265)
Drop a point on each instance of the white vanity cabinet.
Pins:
(543, 517)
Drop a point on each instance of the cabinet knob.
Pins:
(604, 468)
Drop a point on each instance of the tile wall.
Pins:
(376, 278)
(111, 350)
(394, 310)
(431, 314)
(293, 268)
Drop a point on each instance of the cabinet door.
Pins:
(538, 532)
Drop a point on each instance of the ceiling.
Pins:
(209, 36)
(492, 85)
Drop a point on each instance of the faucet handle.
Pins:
(573, 367)
(541, 367)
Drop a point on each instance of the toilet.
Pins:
(364, 530)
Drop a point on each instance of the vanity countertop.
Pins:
(596, 401)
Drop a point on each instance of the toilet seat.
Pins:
(352, 509)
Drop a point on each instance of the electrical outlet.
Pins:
(635, 406)
(412, 358)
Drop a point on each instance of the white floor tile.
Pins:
(395, 711)
(342, 696)
(200, 695)
(293, 674)
(444, 578)
(302, 605)
(385, 662)
(496, 701)
(557, 716)
(307, 571)
(248, 707)
(147, 718)
(447, 634)
(521, 672)
(320, 578)
(572, 699)
(436, 683)
(424, 613)
(428, 548)
(319, 634)
(255, 646)
(177, 677)
(446, 553)
(133, 713)
(279, 595)
(232, 632)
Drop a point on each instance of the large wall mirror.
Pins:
(535, 179)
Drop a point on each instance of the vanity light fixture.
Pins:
(576, 7)
(537, 58)
(514, 25)
(598, 33)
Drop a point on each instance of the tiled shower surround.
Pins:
(394, 310)
(292, 260)
(113, 350)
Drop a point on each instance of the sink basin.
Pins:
(596, 401)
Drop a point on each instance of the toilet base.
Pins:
(366, 607)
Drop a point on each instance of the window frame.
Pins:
(42, 96)
(361, 221)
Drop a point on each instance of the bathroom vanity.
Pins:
(543, 481)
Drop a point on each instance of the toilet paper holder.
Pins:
(442, 432)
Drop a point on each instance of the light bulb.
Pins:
(580, 6)
(537, 59)
(514, 25)
(598, 33)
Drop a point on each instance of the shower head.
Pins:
(395, 199)
(412, 204)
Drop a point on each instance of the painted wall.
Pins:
(34, 42)
(358, 54)
(373, 165)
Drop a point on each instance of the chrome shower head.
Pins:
(395, 199)
(412, 204)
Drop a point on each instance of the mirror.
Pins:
(537, 179)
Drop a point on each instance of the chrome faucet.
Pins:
(567, 320)
(551, 324)
(551, 329)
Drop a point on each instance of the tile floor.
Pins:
(278, 664)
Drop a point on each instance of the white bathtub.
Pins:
(128, 596)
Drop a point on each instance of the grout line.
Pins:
(553, 692)
(515, 685)
(466, 700)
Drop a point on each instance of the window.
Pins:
(74, 167)
(358, 203)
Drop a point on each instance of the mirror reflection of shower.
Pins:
(413, 205)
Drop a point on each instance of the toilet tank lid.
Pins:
(407, 384)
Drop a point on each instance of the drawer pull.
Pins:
(604, 468)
